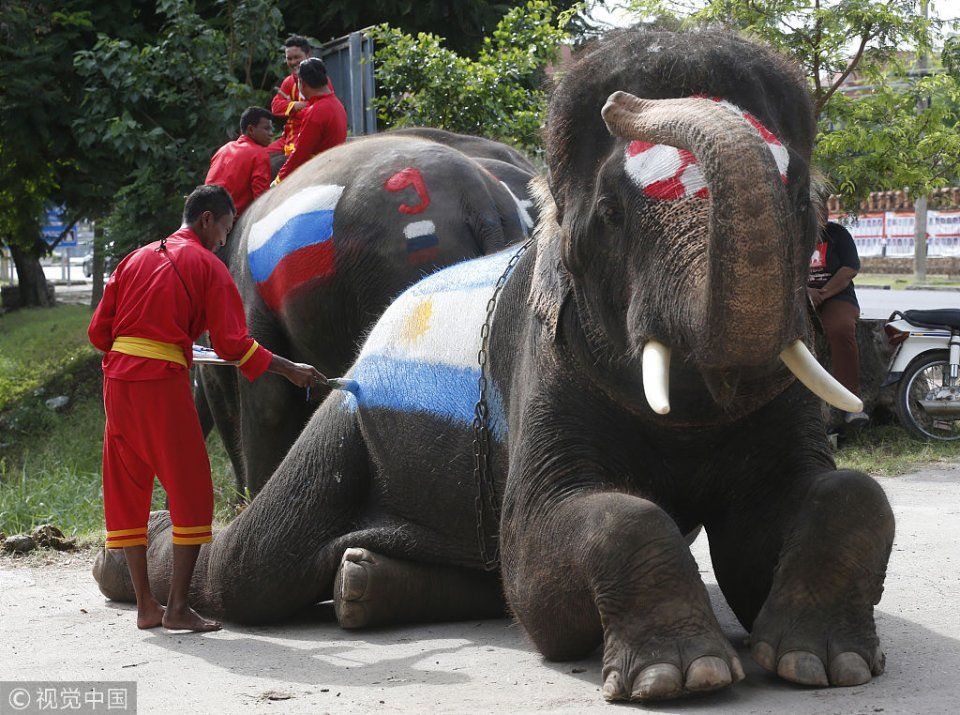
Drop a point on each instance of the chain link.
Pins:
(485, 502)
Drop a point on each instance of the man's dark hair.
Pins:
(251, 117)
(298, 41)
(313, 73)
(208, 197)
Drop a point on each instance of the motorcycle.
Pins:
(926, 368)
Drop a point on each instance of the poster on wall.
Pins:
(891, 234)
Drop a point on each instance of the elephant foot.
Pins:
(662, 669)
(375, 590)
(817, 650)
(112, 575)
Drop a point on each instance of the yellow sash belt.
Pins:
(144, 347)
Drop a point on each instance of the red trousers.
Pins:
(839, 318)
(153, 429)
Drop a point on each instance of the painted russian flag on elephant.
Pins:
(421, 356)
(293, 243)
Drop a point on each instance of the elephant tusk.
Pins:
(801, 362)
(656, 376)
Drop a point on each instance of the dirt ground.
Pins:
(54, 624)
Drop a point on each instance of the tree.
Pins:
(499, 94)
(462, 23)
(817, 34)
(41, 161)
(165, 106)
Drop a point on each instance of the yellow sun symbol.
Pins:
(417, 322)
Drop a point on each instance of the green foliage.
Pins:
(893, 137)
(164, 107)
(462, 23)
(37, 344)
(889, 451)
(818, 34)
(498, 94)
(50, 461)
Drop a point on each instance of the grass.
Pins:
(899, 281)
(889, 451)
(50, 461)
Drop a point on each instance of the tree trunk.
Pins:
(32, 282)
(98, 263)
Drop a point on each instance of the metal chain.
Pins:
(486, 499)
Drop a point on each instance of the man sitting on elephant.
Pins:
(242, 166)
(323, 123)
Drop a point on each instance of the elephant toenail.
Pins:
(354, 555)
(658, 682)
(849, 669)
(613, 687)
(765, 656)
(708, 673)
(879, 662)
(802, 667)
(737, 668)
(353, 581)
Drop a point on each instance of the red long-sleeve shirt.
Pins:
(323, 125)
(145, 298)
(282, 106)
(242, 167)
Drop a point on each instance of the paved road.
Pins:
(55, 624)
(876, 303)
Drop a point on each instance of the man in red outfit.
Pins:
(242, 167)
(156, 304)
(288, 102)
(324, 121)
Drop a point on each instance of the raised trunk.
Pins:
(746, 312)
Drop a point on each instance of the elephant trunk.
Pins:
(745, 311)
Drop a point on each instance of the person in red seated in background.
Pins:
(288, 103)
(324, 122)
(242, 167)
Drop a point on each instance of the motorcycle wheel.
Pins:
(923, 375)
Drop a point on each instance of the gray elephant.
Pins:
(319, 257)
(638, 374)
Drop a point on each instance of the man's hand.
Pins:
(297, 106)
(303, 375)
(816, 296)
(300, 374)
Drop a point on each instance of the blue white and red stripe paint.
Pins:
(293, 243)
(421, 356)
(422, 242)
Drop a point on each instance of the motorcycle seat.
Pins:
(948, 318)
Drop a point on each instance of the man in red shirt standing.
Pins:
(324, 122)
(288, 102)
(156, 304)
(242, 167)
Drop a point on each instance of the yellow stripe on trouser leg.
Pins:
(121, 543)
(191, 540)
(126, 532)
(178, 530)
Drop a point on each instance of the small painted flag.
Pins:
(422, 242)
(293, 243)
(667, 173)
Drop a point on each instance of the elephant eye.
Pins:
(609, 211)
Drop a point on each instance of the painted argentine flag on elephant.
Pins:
(421, 356)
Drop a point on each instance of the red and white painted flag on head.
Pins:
(666, 173)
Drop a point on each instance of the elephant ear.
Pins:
(550, 286)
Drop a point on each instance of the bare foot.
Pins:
(187, 619)
(149, 615)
